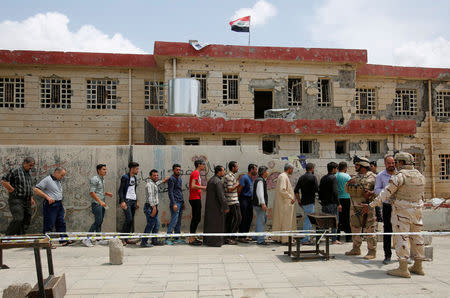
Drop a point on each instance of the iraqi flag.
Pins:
(241, 25)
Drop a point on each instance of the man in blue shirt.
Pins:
(175, 191)
(344, 200)
(381, 182)
(245, 191)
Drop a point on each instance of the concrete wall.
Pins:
(80, 163)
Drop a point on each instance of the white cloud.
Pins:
(259, 14)
(50, 32)
(390, 35)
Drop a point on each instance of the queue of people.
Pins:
(230, 203)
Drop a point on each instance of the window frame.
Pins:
(17, 99)
(110, 86)
(65, 93)
(227, 89)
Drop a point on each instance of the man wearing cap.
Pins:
(408, 186)
(361, 189)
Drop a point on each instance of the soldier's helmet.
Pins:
(405, 156)
(363, 161)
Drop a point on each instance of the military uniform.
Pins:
(358, 221)
(408, 186)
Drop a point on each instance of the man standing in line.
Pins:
(360, 189)
(344, 200)
(328, 195)
(195, 199)
(261, 200)
(128, 199)
(233, 218)
(97, 193)
(176, 206)
(151, 208)
(216, 208)
(19, 184)
(373, 169)
(307, 184)
(284, 208)
(245, 191)
(381, 182)
(50, 189)
(408, 188)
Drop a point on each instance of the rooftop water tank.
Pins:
(184, 97)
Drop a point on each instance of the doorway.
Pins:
(263, 101)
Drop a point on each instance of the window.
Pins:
(295, 92)
(55, 93)
(230, 89)
(101, 94)
(230, 142)
(306, 147)
(12, 93)
(191, 142)
(154, 95)
(443, 104)
(444, 171)
(418, 157)
(340, 147)
(374, 147)
(323, 97)
(201, 77)
(405, 102)
(365, 101)
(269, 146)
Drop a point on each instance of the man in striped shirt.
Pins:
(233, 218)
(151, 207)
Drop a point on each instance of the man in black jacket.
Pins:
(128, 199)
(308, 186)
(328, 194)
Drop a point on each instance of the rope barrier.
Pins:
(108, 236)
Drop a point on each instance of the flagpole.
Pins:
(249, 25)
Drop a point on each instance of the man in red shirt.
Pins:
(195, 199)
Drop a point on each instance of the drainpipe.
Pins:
(174, 64)
(430, 127)
(129, 107)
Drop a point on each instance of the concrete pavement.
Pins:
(245, 270)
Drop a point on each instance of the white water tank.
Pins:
(184, 97)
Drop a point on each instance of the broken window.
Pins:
(230, 89)
(295, 92)
(405, 102)
(56, 93)
(323, 97)
(230, 142)
(12, 93)
(374, 147)
(269, 146)
(365, 101)
(306, 146)
(341, 147)
(191, 142)
(201, 77)
(101, 94)
(444, 171)
(443, 104)
(154, 95)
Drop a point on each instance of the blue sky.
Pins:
(394, 32)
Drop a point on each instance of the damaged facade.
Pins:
(294, 103)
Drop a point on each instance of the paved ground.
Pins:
(245, 270)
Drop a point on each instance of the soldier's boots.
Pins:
(355, 251)
(371, 254)
(417, 268)
(402, 270)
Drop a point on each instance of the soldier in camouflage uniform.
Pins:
(361, 189)
(408, 188)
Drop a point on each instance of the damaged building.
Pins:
(301, 104)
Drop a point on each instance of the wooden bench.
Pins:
(52, 286)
